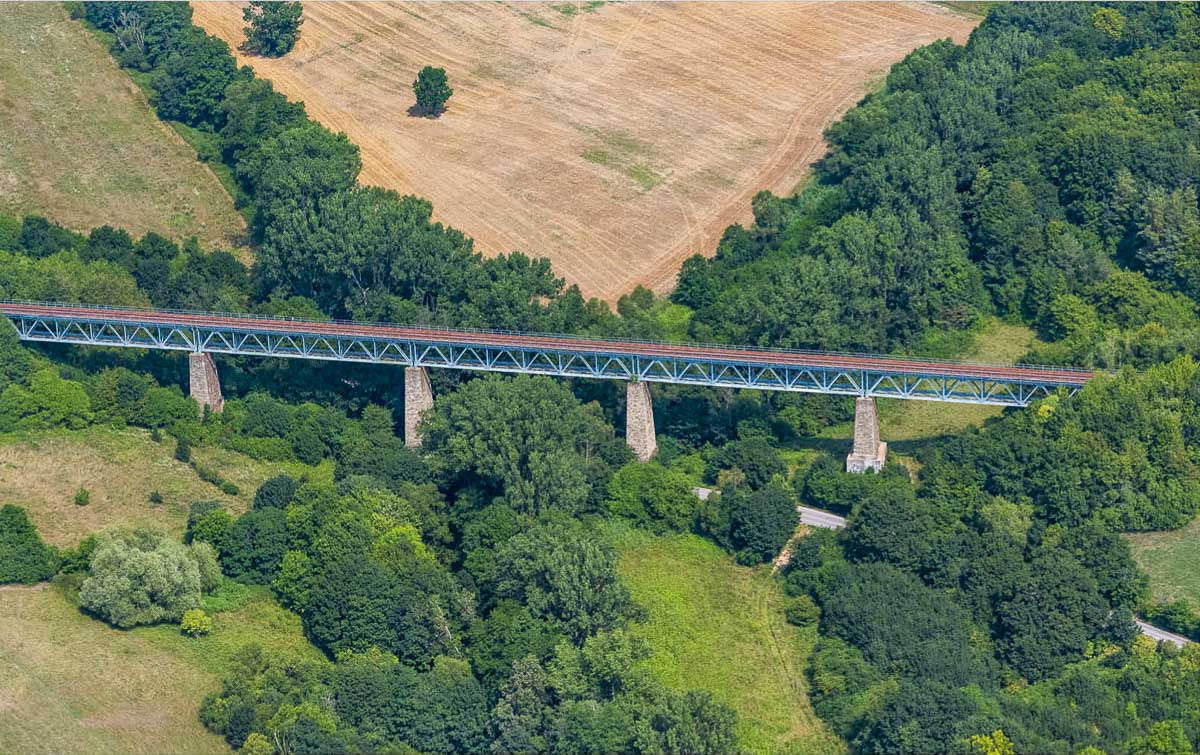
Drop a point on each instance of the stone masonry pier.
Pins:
(869, 452)
(203, 383)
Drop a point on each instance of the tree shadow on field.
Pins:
(416, 111)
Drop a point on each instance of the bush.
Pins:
(801, 611)
(756, 525)
(257, 744)
(273, 27)
(195, 622)
(205, 556)
(155, 497)
(183, 449)
(49, 401)
(76, 560)
(82, 497)
(276, 493)
(228, 488)
(653, 496)
(211, 527)
(24, 558)
(141, 577)
(755, 457)
(254, 547)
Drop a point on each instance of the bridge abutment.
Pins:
(418, 399)
(639, 420)
(869, 452)
(203, 383)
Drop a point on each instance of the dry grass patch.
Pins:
(71, 684)
(615, 139)
(80, 144)
(41, 471)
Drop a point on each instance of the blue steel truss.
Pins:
(289, 339)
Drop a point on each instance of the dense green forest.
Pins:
(466, 594)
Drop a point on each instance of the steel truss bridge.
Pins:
(538, 354)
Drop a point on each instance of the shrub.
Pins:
(273, 27)
(801, 611)
(755, 457)
(76, 560)
(276, 493)
(49, 401)
(82, 497)
(205, 556)
(653, 496)
(24, 557)
(257, 744)
(195, 622)
(254, 547)
(211, 527)
(141, 577)
(759, 523)
(228, 488)
(183, 449)
(155, 497)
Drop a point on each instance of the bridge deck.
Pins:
(859, 374)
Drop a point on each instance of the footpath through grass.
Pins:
(719, 627)
(80, 144)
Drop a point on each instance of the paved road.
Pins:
(819, 518)
(1161, 635)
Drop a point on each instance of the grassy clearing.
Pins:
(81, 145)
(70, 683)
(906, 425)
(974, 8)
(998, 343)
(718, 626)
(120, 468)
(1170, 558)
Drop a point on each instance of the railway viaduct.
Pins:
(638, 363)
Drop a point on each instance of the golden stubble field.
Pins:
(616, 139)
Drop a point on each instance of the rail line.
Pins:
(537, 353)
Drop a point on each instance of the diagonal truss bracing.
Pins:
(614, 360)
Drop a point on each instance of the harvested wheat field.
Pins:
(616, 139)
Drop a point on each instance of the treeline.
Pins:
(995, 595)
(356, 252)
(1045, 171)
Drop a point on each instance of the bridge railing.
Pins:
(1082, 372)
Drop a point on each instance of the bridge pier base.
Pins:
(869, 452)
(203, 383)
(639, 420)
(418, 399)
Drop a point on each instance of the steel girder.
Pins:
(562, 362)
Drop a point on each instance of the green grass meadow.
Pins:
(717, 626)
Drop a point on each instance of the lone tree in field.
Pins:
(432, 90)
(274, 27)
